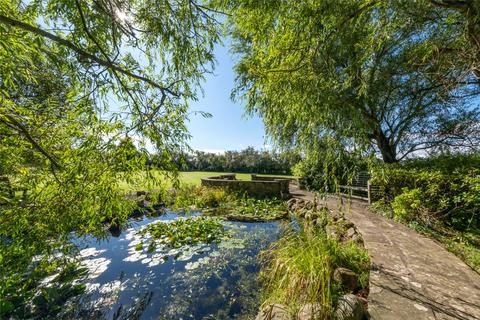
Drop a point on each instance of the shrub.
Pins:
(444, 188)
(325, 171)
(211, 197)
(231, 205)
(407, 204)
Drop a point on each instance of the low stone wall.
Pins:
(271, 178)
(228, 176)
(257, 188)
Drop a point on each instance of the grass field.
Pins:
(187, 177)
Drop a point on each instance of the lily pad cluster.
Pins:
(185, 232)
(251, 210)
(259, 209)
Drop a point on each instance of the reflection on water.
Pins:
(216, 281)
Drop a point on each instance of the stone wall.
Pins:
(228, 176)
(272, 178)
(269, 178)
(272, 187)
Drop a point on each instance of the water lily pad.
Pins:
(181, 233)
(232, 244)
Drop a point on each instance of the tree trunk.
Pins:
(388, 151)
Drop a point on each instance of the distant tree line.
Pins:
(248, 160)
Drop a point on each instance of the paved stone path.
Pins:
(412, 276)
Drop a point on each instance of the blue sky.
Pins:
(228, 129)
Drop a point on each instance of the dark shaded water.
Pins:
(217, 281)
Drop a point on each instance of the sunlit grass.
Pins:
(299, 267)
(140, 181)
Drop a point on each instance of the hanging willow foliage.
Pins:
(81, 83)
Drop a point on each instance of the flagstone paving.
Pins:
(412, 276)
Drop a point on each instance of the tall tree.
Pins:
(76, 77)
(361, 71)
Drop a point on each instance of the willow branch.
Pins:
(21, 128)
(25, 26)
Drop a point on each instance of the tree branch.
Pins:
(21, 128)
(81, 52)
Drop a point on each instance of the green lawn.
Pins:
(188, 177)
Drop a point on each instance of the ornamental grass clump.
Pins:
(298, 269)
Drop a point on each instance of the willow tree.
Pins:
(469, 53)
(76, 78)
(366, 73)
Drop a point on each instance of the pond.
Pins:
(126, 280)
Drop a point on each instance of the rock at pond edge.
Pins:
(350, 307)
(310, 311)
(274, 312)
(347, 278)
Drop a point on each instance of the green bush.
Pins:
(407, 204)
(200, 197)
(325, 171)
(444, 188)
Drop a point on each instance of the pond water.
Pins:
(216, 281)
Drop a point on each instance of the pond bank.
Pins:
(185, 263)
(331, 245)
(319, 270)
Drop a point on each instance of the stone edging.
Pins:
(264, 187)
